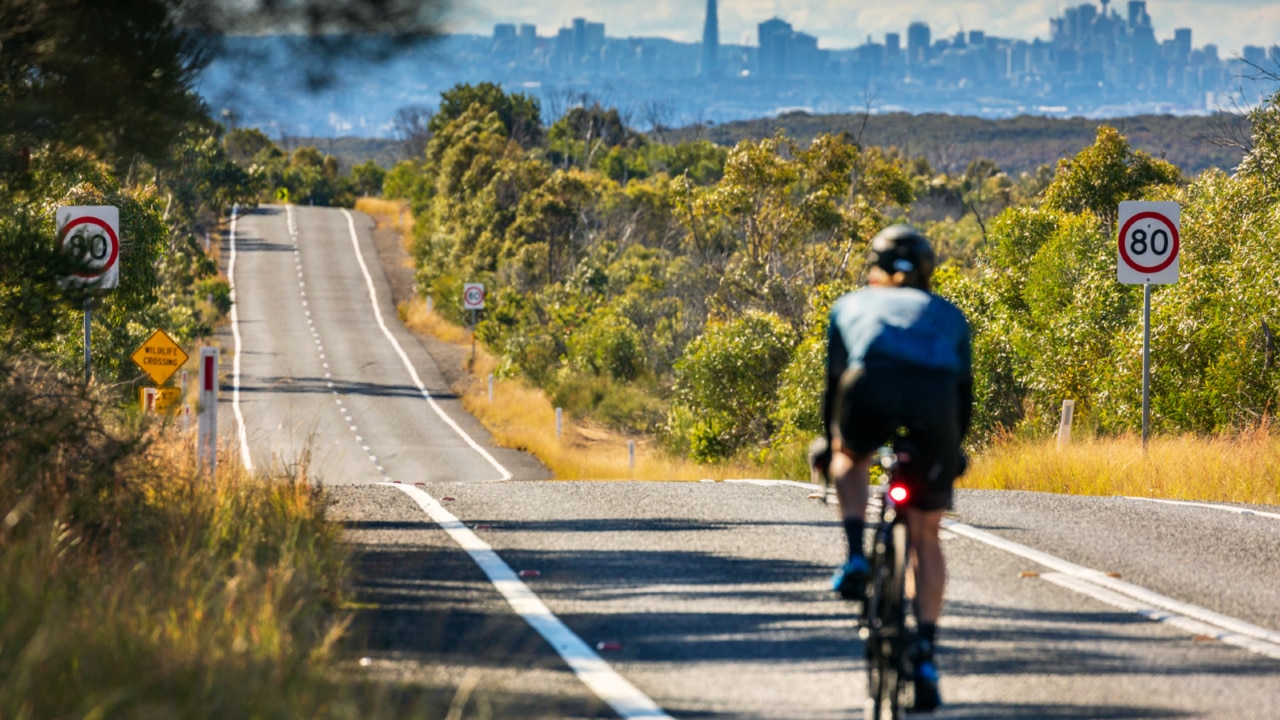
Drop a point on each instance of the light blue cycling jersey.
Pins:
(889, 327)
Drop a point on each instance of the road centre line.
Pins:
(235, 334)
(1260, 640)
(625, 699)
(1226, 508)
(404, 358)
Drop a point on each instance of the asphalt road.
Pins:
(708, 600)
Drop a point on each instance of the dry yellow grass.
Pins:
(522, 417)
(1242, 468)
(391, 213)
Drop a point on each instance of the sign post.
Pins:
(207, 435)
(90, 236)
(473, 300)
(1149, 244)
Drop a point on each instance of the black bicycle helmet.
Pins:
(901, 249)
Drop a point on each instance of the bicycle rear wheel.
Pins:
(885, 620)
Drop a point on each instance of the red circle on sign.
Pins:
(115, 242)
(1173, 254)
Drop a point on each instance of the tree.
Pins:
(245, 145)
(1099, 177)
(725, 384)
(367, 178)
(783, 219)
(133, 98)
(411, 126)
(519, 113)
(583, 134)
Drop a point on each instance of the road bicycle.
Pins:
(887, 626)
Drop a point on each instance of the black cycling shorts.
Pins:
(874, 404)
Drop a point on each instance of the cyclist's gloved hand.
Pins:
(820, 455)
(964, 463)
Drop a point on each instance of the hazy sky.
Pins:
(1231, 24)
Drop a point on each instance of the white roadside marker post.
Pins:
(207, 437)
(1064, 425)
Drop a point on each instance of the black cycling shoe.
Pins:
(926, 681)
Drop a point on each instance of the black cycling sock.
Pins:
(927, 632)
(853, 533)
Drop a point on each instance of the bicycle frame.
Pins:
(887, 624)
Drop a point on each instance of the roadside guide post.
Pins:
(473, 300)
(207, 435)
(90, 235)
(1148, 246)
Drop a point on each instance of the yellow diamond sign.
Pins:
(160, 357)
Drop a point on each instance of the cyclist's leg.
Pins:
(930, 583)
(928, 562)
(852, 475)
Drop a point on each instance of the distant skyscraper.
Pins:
(774, 35)
(711, 42)
(579, 38)
(917, 43)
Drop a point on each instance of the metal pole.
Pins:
(1146, 364)
(88, 366)
(473, 335)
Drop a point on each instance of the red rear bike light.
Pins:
(898, 494)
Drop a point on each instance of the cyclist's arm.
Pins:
(966, 383)
(837, 361)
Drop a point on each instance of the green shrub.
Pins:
(608, 344)
(728, 377)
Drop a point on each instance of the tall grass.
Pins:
(391, 213)
(134, 587)
(1243, 468)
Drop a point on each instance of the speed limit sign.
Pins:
(473, 296)
(1149, 242)
(90, 235)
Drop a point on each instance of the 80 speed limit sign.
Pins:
(1150, 238)
(473, 296)
(90, 236)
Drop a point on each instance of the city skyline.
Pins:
(1229, 24)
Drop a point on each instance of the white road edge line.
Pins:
(625, 699)
(1116, 592)
(235, 362)
(1224, 508)
(413, 373)
(1101, 582)
(1182, 622)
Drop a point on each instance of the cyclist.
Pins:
(898, 356)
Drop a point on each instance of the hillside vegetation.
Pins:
(1016, 145)
(681, 289)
